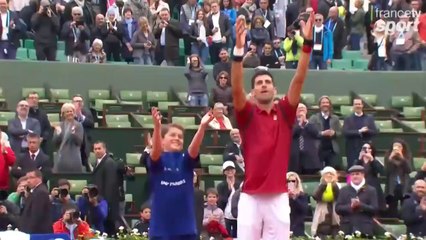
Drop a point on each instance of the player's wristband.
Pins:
(238, 54)
(308, 42)
(307, 48)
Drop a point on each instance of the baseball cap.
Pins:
(228, 164)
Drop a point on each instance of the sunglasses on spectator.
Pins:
(292, 181)
(223, 78)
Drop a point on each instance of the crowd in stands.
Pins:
(153, 32)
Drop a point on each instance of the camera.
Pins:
(79, 23)
(75, 215)
(93, 191)
(63, 192)
(302, 17)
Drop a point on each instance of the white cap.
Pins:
(328, 170)
(228, 164)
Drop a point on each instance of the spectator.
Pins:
(219, 29)
(421, 173)
(7, 159)
(292, 46)
(96, 53)
(156, 7)
(358, 128)
(330, 129)
(10, 32)
(298, 201)
(198, 35)
(118, 7)
(93, 208)
(75, 34)
(20, 126)
(380, 57)
(278, 51)
(223, 92)
(9, 214)
(188, 16)
(105, 178)
(72, 225)
(226, 6)
(422, 36)
(325, 221)
(88, 13)
(413, 211)
(268, 59)
(129, 26)
(143, 43)
(223, 65)
(206, 8)
(323, 45)
(268, 18)
(26, 14)
(220, 121)
(41, 116)
(4, 136)
(112, 33)
(226, 189)
(33, 159)
(167, 32)
(336, 27)
(61, 199)
(247, 10)
(357, 26)
(304, 147)
(235, 200)
(373, 169)
(35, 218)
(199, 197)
(259, 34)
(18, 197)
(143, 161)
(68, 137)
(95, 30)
(251, 59)
(398, 165)
(139, 8)
(214, 219)
(145, 216)
(197, 86)
(233, 151)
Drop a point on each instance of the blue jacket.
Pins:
(96, 216)
(327, 44)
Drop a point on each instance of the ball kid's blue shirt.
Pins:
(172, 207)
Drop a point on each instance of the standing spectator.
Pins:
(75, 34)
(167, 32)
(96, 53)
(94, 208)
(325, 221)
(72, 225)
(304, 147)
(398, 165)
(214, 219)
(268, 18)
(247, 10)
(223, 65)
(370, 19)
(11, 30)
(357, 204)
(46, 26)
(336, 26)
(206, 8)
(219, 28)
(413, 211)
(278, 50)
(197, 86)
(358, 128)
(7, 159)
(156, 7)
(188, 16)
(68, 137)
(129, 26)
(105, 178)
(35, 218)
(140, 8)
(61, 198)
(19, 127)
(88, 14)
(373, 169)
(330, 129)
(198, 36)
(96, 29)
(18, 197)
(223, 92)
(112, 33)
(142, 225)
(421, 173)
(226, 6)
(380, 57)
(292, 47)
(357, 26)
(226, 190)
(298, 204)
(118, 7)
(220, 121)
(259, 35)
(9, 213)
(36, 113)
(422, 37)
(268, 59)
(323, 45)
(233, 151)
(143, 43)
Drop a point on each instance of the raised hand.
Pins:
(207, 118)
(156, 117)
(240, 32)
(307, 28)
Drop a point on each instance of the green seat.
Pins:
(29, 44)
(412, 112)
(351, 54)
(40, 91)
(116, 118)
(119, 125)
(395, 229)
(340, 100)
(61, 45)
(360, 64)
(346, 110)
(369, 98)
(32, 54)
(391, 130)
(418, 162)
(401, 101)
(215, 170)
(2, 98)
(140, 170)
(99, 94)
(130, 96)
(416, 125)
(164, 106)
(384, 124)
(308, 98)
(186, 122)
(211, 159)
(77, 186)
(59, 95)
(132, 159)
(157, 96)
(128, 197)
(341, 64)
(6, 116)
(54, 118)
(22, 54)
(60, 56)
(99, 104)
(309, 187)
(144, 120)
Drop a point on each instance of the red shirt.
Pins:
(266, 140)
(6, 160)
(422, 27)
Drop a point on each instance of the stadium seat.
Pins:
(202, 186)
(401, 101)
(412, 112)
(60, 95)
(418, 162)
(416, 125)
(99, 94)
(395, 229)
(346, 110)
(215, 170)
(360, 64)
(351, 55)
(119, 125)
(131, 97)
(384, 124)
(211, 159)
(186, 122)
(157, 96)
(54, 118)
(164, 106)
(308, 99)
(60, 56)
(77, 186)
(32, 54)
(341, 64)
(99, 104)
(2, 98)
(183, 96)
(309, 187)
(132, 159)
(6, 116)
(61, 46)
(22, 54)
(29, 44)
(40, 91)
(391, 130)
(144, 120)
(340, 100)
(116, 118)
(369, 98)
(140, 170)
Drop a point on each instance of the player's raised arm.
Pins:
(296, 84)
(237, 80)
(156, 149)
(194, 147)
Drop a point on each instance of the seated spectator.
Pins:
(197, 86)
(292, 47)
(72, 225)
(251, 59)
(220, 121)
(223, 65)
(96, 52)
(143, 224)
(226, 190)
(298, 204)
(413, 211)
(60, 198)
(214, 219)
(18, 197)
(325, 221)
(233, 151)
(421, 173)
(198, 36)
(112, 33)
(268, 59)
(223, 92)
(143, 43)
(93, 208)
(357, 204)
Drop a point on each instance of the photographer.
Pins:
(94, 209)
(18, 197)
(71, 224)
(9, 213)
(61, 198)
(46, 26)
(251, 59)
(292, 47)
(75, 34)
